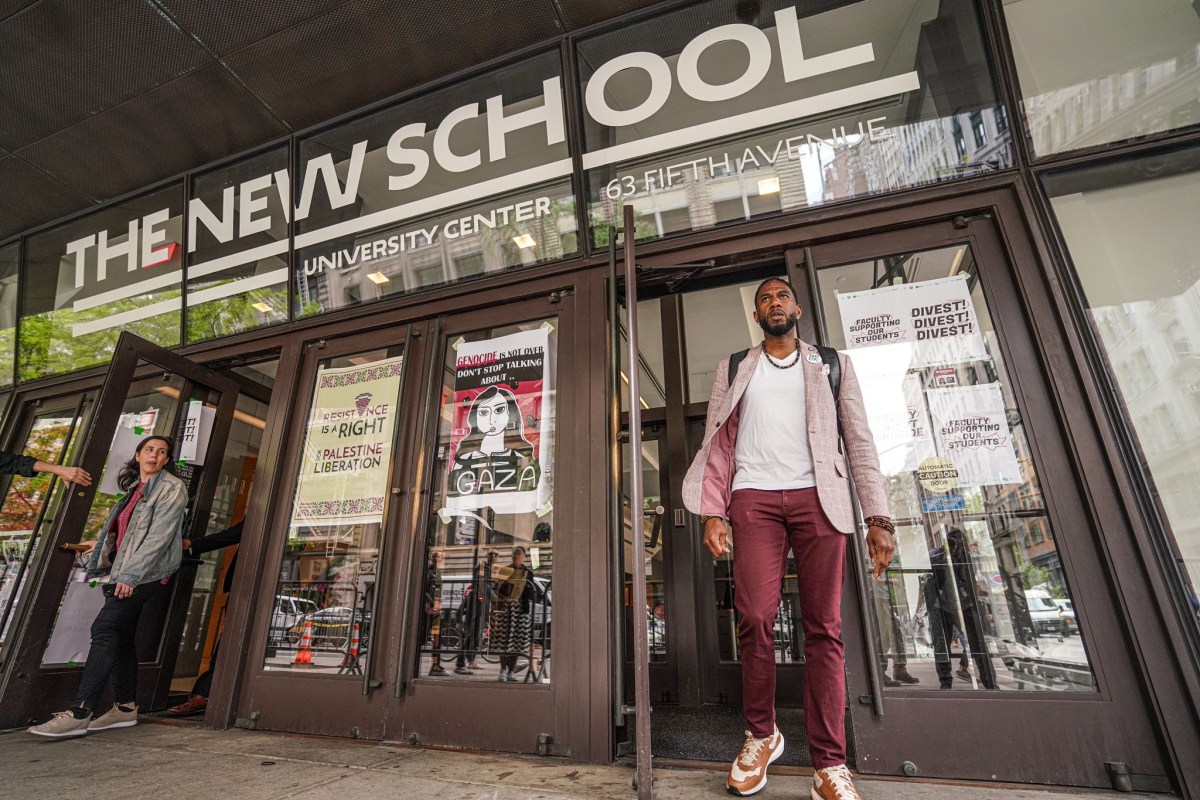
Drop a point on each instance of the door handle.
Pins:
(679, 518)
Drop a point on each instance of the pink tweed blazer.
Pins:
(706, 488)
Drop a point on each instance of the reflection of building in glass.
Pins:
(1154, 351)
(1141, 100)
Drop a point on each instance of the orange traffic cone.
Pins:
(304, 654)
(350, 661)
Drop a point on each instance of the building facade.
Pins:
(385, 346)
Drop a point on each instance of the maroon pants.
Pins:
(765, 524)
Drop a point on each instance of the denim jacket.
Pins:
(153, 546)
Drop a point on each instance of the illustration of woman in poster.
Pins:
(495, 456)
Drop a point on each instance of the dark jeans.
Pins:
(765, 525)
(114, 650)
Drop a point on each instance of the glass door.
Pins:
(491, 622)
(48, 433)
(148, 390)
(994, 609)
(321, 632)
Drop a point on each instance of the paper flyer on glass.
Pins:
(348, 445)
(896, 411)
(933, 322)
(971, 429)
(500, 455)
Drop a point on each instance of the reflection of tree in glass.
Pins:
(49, 347)
(26, 495)
(235, 314)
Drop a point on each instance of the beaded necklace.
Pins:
(771, 358)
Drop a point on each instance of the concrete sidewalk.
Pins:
(163, 761)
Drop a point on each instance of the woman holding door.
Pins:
(138, 549)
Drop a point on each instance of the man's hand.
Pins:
(122, 591)
(881, 547)
(187, 544)
(76, 475)
(716, 536)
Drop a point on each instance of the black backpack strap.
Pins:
(834, 367)
(830, 357)
(735, 360)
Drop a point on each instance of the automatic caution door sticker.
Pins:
(938, 474)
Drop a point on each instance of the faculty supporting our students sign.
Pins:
(348, 445)
(501, 448)
(935, 319)
(970, 425)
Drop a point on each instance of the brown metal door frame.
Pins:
(300, 702)
(1072, 728)
(447, 712)
(26, 688)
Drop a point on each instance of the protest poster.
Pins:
(348, 445)
(930, 323)
(197, 429)
(971, 429)
(500, 454)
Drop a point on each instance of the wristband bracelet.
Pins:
(881, 522)
(704, 518)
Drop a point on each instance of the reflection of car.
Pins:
(288, 611)
(1043, 612)
(1066, 613)
(332, 628)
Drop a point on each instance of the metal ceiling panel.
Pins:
(31, 197)
(224, 26)
(367, 50)
(10, 7)
(65, 60)
(201, 117)
(581, 13)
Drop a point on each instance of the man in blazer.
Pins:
(772, 466)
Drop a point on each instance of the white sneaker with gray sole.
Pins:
(114, 718)
(62, 725)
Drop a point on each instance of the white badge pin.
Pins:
(813, 358)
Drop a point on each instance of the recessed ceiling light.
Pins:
(379, 277)
(524, 241)
(768, 186)
(261, 306)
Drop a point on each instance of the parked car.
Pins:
(332, 628)
(1067, 614)
(1043, 611)
(288, 611)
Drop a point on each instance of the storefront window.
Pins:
(464, 181)
(9, 264)
(707, 115)
(88, 280)
(1104, 70)
(237, 247)
(1131, 231)
(325, 597)
(489, 558)
(977, 597)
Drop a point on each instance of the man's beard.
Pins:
(778, 328)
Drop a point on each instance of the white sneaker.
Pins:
(748, 775)
(62, 725)
(114, 718)
(834, 783)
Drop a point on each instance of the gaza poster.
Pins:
(501, 443)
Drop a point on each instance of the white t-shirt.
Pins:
(772, 450)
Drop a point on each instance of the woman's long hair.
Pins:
(514, 437)
(131, 474)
